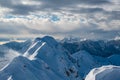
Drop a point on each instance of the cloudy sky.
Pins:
(93, 19)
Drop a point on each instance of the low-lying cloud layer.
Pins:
(93, 19)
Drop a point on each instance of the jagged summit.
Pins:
(48, 39)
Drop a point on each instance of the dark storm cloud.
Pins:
(60, 3)
(87, 10)
(17, 8)
(95, 2)
(47, 4)
(22, 9)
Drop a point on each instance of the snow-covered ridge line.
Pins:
(46, 59)
(42, 60)
(32, 45)
(32, 57)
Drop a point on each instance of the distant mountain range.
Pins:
(48, 59)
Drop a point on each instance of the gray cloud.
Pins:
(114, 15)
(62, 3)
(88, 8)
(6, 3)
(10, 28)
(17, 29)
(22, 9)
(52, 5)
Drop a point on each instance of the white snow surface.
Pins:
(85, 62)
(45, 59)
(108, 72)
(26, 53)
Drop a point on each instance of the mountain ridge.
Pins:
(45, 58)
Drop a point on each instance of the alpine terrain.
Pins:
(48, 59)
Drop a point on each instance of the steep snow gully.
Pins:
(46, 59)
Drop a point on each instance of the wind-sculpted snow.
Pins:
(104, 73)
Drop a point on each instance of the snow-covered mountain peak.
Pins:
(47, 39)
(43, 51)
(50, 40)
(40, 45)
(37, 39)
(46, 59)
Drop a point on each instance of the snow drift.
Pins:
(104, 73)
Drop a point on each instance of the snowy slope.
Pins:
(23, 69)
(114, 60)
(21, 47)
(45, 59)
(85, 62)
(104, 73)
(98, 48)
(54, 55)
